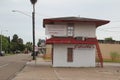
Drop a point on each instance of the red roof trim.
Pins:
(70, 41)
(75, 20)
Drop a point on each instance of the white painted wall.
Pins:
(81, 57)
(56, 30)
(82, 29)
(85, 30)
(84, 58)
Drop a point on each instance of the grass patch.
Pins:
(112, 61)
(47, 59)
(9, 54)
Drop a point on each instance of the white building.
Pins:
(74, 41)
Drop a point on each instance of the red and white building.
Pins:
(73, 41)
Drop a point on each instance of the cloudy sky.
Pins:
(19, 22)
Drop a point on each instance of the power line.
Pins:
(116, 21)
(109, 27)
(107, 30)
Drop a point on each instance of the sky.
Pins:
(20, 22)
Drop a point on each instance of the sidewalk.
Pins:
(37, 70)
(42, 70)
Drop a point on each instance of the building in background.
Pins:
(73, 40)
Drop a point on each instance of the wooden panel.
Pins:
(70, 55)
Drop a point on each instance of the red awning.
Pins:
(70, 41)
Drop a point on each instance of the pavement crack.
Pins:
(14, 74)
(57, 75)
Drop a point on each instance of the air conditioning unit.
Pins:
(80, 38)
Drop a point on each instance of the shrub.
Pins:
(114, 56)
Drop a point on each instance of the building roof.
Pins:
(98, 22)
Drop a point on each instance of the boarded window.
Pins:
(70, 30)
(70, 55)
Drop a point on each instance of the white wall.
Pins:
(82, 29)
(81, 57)
(86, 57)
(85, 30)
(56, 30)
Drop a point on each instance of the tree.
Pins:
(17, 43)
(109, 40)
(5, 43)
(29, 46)
(41, 42)
(9, 44)
(15, 38)
(13, 46)
(21, 47)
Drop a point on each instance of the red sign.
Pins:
(85, 46)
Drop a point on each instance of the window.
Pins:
(70, 29)
(70, 55)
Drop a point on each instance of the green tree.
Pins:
(15, 38)
(5, 43)
(13, 46)
(9, 44)
(28, 45)
(21, 47)
(20, 40)
(41, 42)
(109, 40)
(17, 43)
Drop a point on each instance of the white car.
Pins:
(2, 53)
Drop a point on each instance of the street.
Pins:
(11, 65)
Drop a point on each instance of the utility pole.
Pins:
(33, 24)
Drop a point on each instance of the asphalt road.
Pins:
(11, 65)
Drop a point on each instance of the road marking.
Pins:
(3, 65)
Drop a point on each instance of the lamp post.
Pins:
(33, 24)
(21, 13)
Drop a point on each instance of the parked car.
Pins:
(2, 53)
(17, 52)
